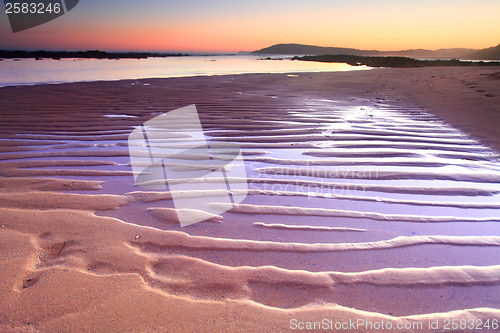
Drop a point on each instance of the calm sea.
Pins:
(31, 71)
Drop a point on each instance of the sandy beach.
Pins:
(373, 197)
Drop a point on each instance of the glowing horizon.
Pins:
(224, 26)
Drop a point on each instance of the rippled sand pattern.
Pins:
(360, 206)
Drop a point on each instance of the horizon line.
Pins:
(229, 52)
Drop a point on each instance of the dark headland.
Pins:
(392, 61)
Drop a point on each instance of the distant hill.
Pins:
(306, 49)
(491, 53)
(300, 49)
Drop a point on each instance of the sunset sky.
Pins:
(227, 26)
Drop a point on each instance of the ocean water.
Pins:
(31, 71)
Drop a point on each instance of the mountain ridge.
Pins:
(490, 53)
(302, 49)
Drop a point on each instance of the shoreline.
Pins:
(132, 69)
(167, 78)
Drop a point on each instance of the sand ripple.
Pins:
(358, 207)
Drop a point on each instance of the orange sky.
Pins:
(220, 25)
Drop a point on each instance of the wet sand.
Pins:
(374, 196)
